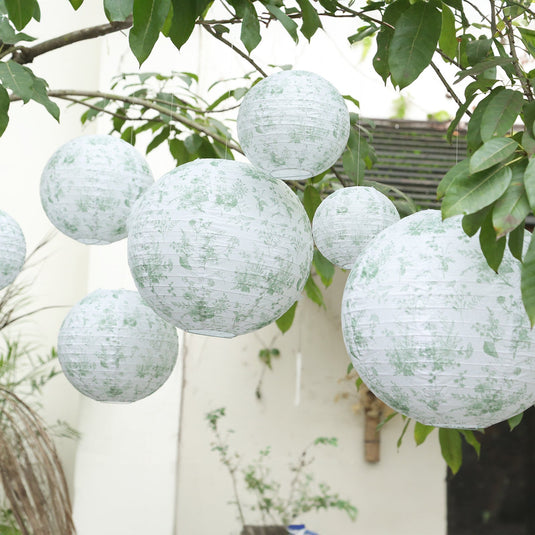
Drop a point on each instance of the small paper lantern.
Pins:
(433, 331)
(113, 347)
(89, 186)
(293, 125)
(12, 249)
(217, 247)
(348, 219)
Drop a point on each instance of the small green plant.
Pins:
(268, 499)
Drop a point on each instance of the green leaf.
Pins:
(459, 171)
(528, 38)
(20, 12)
(76, 3)
(179, 152)
(288, 24)
(40, 95)
(324, 268)
(527, 281)
(512, 207)
(311, 200)
(384, 37)
(118, 10)
(466, 196)
(285, 321)
(421, 432)
(477, 50)
(473, 133)
(455, 4)
(4, 107)
(414, 42)
(501, 113)
(17, 78)
(9, 35)
(250, 28)
(482, 67)
(472, 222)
(405, 427)
(492, 248)
(515, 420)
(471, 439)
(362, 33)
(313, 292)
(353, 157)
(311, 20)
(451, 448)
(516, 242)
(158, 139)
(329, 5)
(149, 16)
(185, 13)
(529, 182)
(492, 152)
(448, 38)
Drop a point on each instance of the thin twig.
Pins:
(524, 82)
(446, 84)
(25, 54)
(103, 110)
(493, 29)
(219, 37)
(62, 93)
(362, 16)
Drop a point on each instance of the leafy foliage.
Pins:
(273, 505)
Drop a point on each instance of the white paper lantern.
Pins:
(217, 247)
(293, 125)
(348, 219)
(113, 347)
(433, 331)
(89, 186)
(12, 249)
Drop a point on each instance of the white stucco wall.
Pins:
(130, 477)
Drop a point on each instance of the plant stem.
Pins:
(25, 54)
(219, 37)
(524, 82)
(446, 84)
(69, 93)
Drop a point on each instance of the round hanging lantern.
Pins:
(216, 247)
(433, 331)
(293, 125)
(348, 219)
(113, 347)
(12, 249)
(89, 186)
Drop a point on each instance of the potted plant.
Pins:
(276, 509)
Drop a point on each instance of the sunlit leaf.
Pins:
(492, 152)
(421, 432)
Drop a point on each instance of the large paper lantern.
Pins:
(293, 125)
(12, 249)
(216, 247)
(113, 347)
(89, 186)
(348, 219)
(433, 331)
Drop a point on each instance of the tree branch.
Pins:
(446, 84)
(24, 54)
(213, 33)
(67, 94)
(524, 82)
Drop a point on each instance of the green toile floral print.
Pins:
(293, 125)
(348, 219)
(113, 347)
(89, 186)
(433, 331)
(217, 247)
(12, 249)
